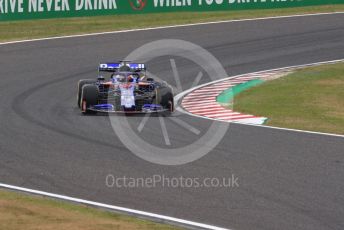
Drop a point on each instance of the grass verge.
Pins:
(309, 99)
(20, 30)
(20, 211)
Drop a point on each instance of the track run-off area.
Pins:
(285, 179)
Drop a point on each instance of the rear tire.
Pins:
(89, 97)
(81, 83)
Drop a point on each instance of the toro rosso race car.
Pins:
(126, 90)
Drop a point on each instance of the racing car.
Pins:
(127, 89)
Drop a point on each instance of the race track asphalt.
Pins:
(287, 180)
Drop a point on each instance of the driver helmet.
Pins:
(120, 78)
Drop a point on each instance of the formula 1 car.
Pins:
(126, 90)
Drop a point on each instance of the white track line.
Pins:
(169, 27)
(138, 213)
(292, 130)
(186, 92)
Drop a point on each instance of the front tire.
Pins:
(81, 83)
(89, 97)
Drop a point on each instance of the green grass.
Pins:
(20, 30)
(20, 211)
(309, 99)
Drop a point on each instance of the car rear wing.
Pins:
(114, 67)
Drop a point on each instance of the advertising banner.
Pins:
(39, 9)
